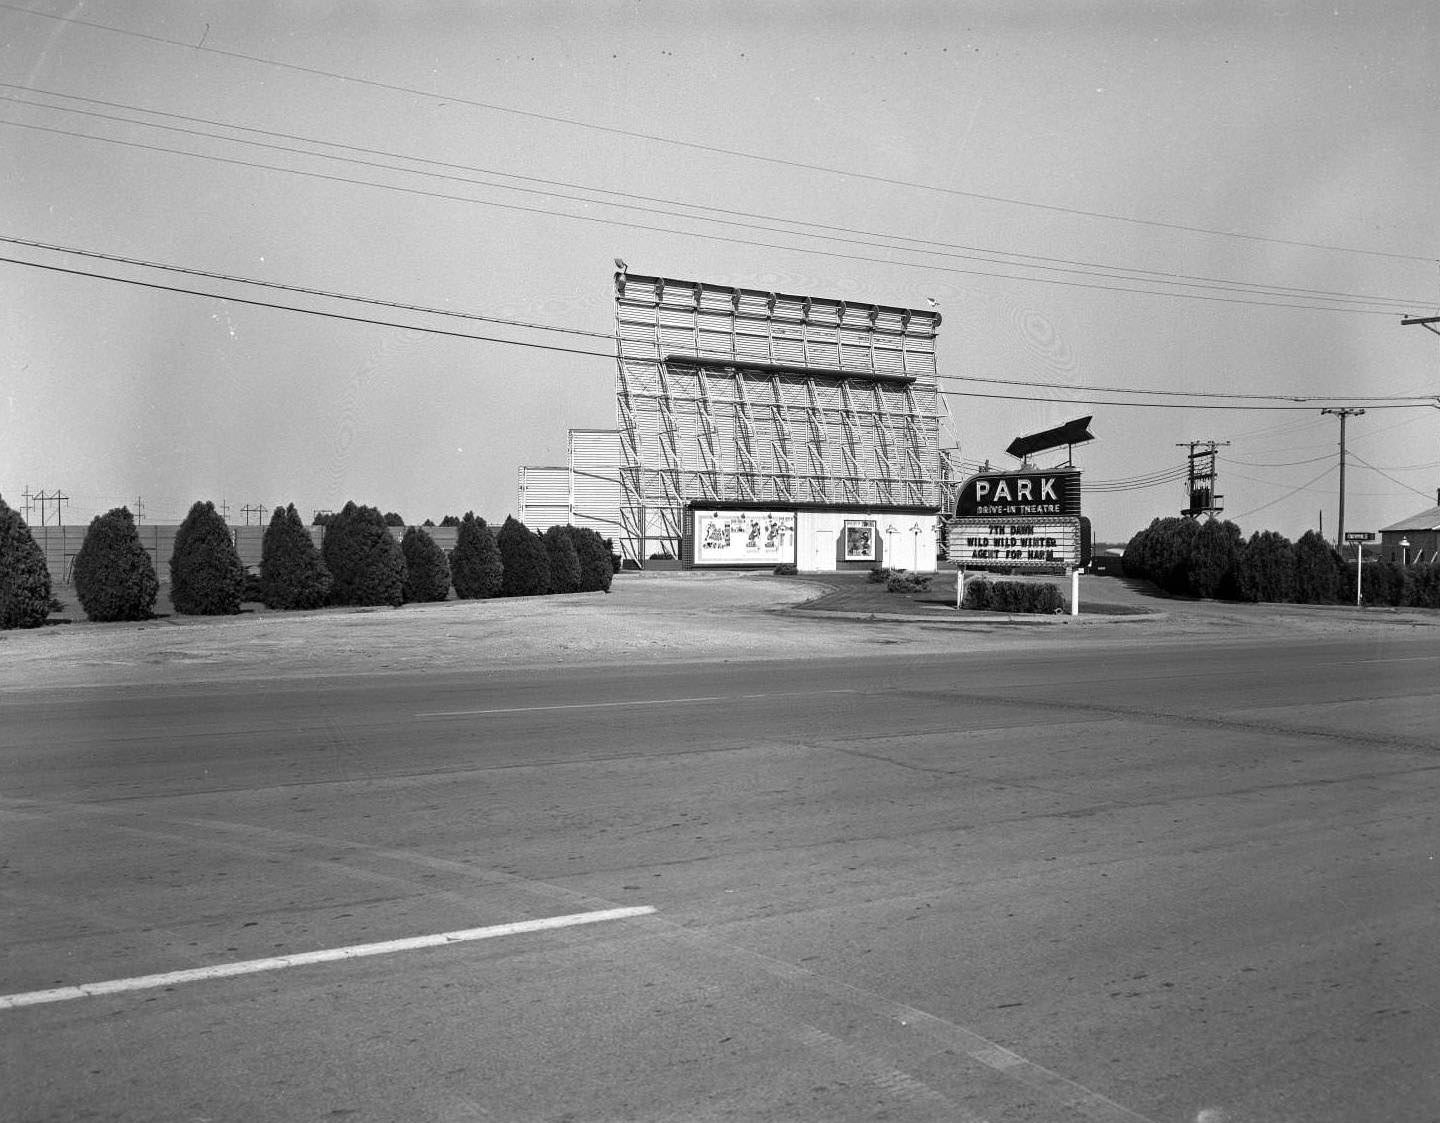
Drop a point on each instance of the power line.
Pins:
(827, 231)
(1392, 479)
(708, 148)
(309, 311)
(281, 287)
(1287, 464)
(1281, 498)
(1152, 405)
(1427, 398)
(750, 242)
(610, 355)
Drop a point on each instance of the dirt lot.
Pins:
(647, 617)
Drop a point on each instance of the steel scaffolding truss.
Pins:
(738, 395)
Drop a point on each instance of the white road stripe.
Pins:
(328, 955)
(640, 702)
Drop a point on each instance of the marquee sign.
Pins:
(1040, 544)
(1016, 495)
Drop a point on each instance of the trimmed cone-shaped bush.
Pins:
(292, 573)
(427, 571)
(563, 559)
(596, 566)
(1213, 555)
(522, 553)
(207, 577)
(114, 576)
(24, 577)
(1317, 570)
(475, 565)
(1265, 570)
(363, 558)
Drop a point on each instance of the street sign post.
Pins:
(1358, 538)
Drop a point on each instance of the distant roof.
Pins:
(1425, 520)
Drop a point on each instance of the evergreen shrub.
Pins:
(901, 582)
(207, 577)
(1317, 570)
(114, 576)
(292, 573)
(527, 565)
(363, 558)
(25, 593)
(1423, 591)
(1016, 597)
(1265, 570)
(1215, 551)
(977, 594)
(563, 560)
(598, 565)
(1382, 582)
(475, 565)
(427, 570)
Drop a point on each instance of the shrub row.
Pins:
(898, 580)
(1213, 559)
(359, 563)
(1012, 596)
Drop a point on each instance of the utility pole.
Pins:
(59, 498)
(257, 509)
(1342, 414)
(139, 509)
(1200, 480)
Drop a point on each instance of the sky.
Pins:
(1139, 211)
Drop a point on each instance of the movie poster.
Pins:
(859, 541)
(744, 537)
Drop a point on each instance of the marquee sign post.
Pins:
(1019, 520)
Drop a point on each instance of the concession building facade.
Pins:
(759, 429)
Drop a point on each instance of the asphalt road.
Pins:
(1132, 882)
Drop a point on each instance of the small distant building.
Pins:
(1413, 541)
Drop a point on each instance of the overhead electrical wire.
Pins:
(1139, 483)
(309, 311)
(1427, 398)
(699, 146)
(1286, 464)
(300, 289)
(728, 239)
(1166, 405)
(1369, 402)
(1398, 483)
(1281, 498)
(825, 231)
